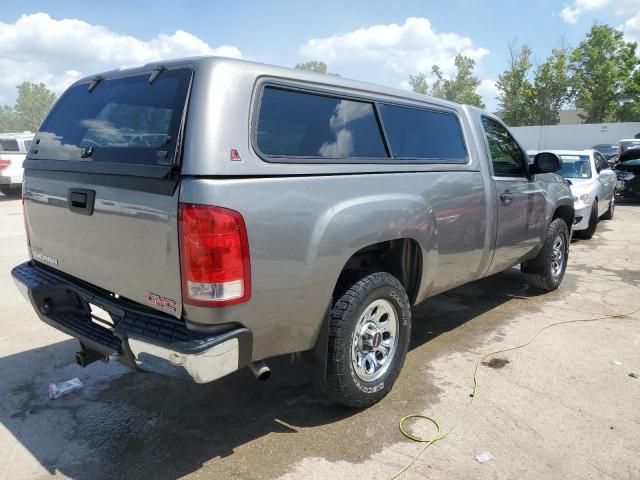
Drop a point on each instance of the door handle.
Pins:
(81, 200)
(506, 198)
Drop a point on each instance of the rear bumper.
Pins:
(136, 336)
(8, 179)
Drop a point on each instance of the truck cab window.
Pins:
(506, 155)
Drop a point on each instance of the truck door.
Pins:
(607, 179)
(520, 201)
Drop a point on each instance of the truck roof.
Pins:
(260, 69)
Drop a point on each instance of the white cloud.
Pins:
(631, 28)
(571, 13)
(411, 47)
(488, 90)
(42, 49)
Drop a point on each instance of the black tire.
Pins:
(11, 191)
(343, 384)
(593, 223)
(608, 215)
(539, 272)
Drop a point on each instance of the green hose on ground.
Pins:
(439, 435)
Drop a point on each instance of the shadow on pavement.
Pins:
(135, 425)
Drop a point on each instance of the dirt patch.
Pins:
(496, 363)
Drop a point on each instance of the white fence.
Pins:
(574, 137)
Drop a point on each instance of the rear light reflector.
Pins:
(4, 164)
(214, 256)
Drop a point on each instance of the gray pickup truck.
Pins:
(198, 216)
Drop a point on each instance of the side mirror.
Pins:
(546, 162)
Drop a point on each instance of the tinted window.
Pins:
(506, 155)
(423, 134)
(126, 120)
(575, 166)
(296, 124)
(9, 145)
(27, 144)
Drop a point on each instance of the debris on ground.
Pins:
(57, 390)
(483, 457)
(496, 363)
(633, 375)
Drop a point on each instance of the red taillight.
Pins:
(4, 164)
(214, 256)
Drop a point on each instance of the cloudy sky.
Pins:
(381, 42)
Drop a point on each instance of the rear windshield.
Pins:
(575, 166)
(9, 145)
(126, 120)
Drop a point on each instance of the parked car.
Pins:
(609, 151)
(628, 173)
(274, 215)
(628, 143)
(13, 149)
(593, 184)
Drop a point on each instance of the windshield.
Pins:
(125, 120)
(608, 150)
(9, 145)
(575, 166)
(627, 144)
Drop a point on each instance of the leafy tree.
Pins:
(551, 88)
(7, 119)
(628, 109)
(515, 89)
(419, 83)
(312, 66)
(315, 66)
(33, 103)
(601, 66)
(461, 88)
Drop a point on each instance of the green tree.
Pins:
(601, 65)
(33, 103)
(628, 108)
(515, 90)
(551, 88)
(419, 83)
(7, 119)
(315, 66)
(461, 88)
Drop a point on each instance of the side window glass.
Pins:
(506, 155)
(416, 133)
(299, 124)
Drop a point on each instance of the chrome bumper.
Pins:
(138, 337)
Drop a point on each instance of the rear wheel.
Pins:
(546, 271)
(11, 191)
(369, 331)
(593, 223)
(609, 213)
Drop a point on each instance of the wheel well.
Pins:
(566, 213)
(401, 258)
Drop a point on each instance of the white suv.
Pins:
(13, 149)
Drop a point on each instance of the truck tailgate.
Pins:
(128, 246)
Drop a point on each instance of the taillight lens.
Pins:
(4, 164)
(214, 256)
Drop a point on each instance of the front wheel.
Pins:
(546, 271)
(608, 215)
(369, 332)
(593, 223)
